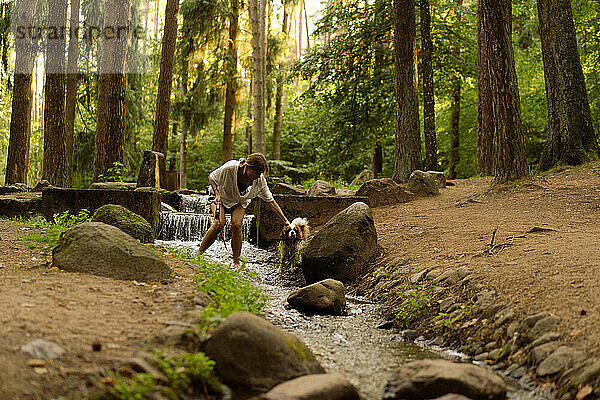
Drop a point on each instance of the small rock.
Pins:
(43, 349)
(419, 276)
(541, 352)
(314, 387)
(545, 338)
(562, 358)
(543, 326)
(40, 370)
(505, 316)
(36, 363)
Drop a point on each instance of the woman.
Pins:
(235, 184)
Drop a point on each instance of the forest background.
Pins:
(336, 88)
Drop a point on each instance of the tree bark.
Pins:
(232, 87)
(72, 77)
(279, 96)
(408, 136)
(185, 126)
(377, 160)
(431, 160)
(454, 156)
(54, 164)
(571, 137)
(20, 118)
(499, 63)
(258, 90)
(165, 79)
(453, 151)
(485, 126)
(110, 127)
(249, 146)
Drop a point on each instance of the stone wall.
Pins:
(317, 210)
(144, 203)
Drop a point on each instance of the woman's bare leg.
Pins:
(237, 218)
(213, 232)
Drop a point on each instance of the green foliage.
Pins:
(49, 233)
(450, 320)
(415, 299)
(189, 375)
(229, 290)
(114, 174)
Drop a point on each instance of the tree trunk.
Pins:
(508, 141)
(453, 151)
(20, 118)
(454, 156)
(257, 8)
(71, 98)
(431, 160)
(279, 96)
(165, 79)
(377, 160)
(408, 136)
(249, 146)
(185, 126)
(54, 165)
(173, 155)
(485, 126)
(110, 128)
(232, 87)
(306, 23)
(571, 137)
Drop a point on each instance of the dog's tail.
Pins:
(302, 223)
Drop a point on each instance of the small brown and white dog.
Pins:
(292, 242)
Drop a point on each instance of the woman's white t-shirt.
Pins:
(226, 179)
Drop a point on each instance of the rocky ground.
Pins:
(533, 243)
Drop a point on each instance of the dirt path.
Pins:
(551, 270)
(554, 269)
(75, 311)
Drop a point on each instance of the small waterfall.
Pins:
(194, 203)
(185, 226)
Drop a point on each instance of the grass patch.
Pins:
(50, 231)
(189, 376)
(416, 299)
(229, 290)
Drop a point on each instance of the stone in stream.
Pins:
(314, 387)
(428, 379)
(127, 221)
(253, 356)
(343, 248)
(100, 249)
(324, 297)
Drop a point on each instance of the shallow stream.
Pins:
(351, 344)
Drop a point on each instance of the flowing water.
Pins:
(350, 344)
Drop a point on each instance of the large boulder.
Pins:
(428, 379)
(422, 184)
(314, 387)
(127, 221)
(104, 250)
(325, 297)
(253, 356)
(343, 248)
(365, 175)
(384, 191)
(321, 188)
